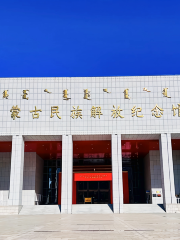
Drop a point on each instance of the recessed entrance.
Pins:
(136, 156)
(48, 161)
(98, 191)
(92, 172)
(52, 168)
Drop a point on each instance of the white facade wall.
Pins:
(28, 194)
(26, 125)
(148, 125)
(32, 178)
(152, 172)
(155, 169)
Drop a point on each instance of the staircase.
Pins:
(143, 208)
(40, 209)
(92, 208)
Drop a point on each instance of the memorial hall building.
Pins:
(90, 145)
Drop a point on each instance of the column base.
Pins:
(10, 210)
(64, 209)
(172, 208)
(121, 208)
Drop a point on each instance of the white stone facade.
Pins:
(33, 178)
(26, 125)
(144, 93)
(152, 171)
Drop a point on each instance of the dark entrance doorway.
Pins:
(99, 191)
(135, 179)
(134, 154)
(50, 181)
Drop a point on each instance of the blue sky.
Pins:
(71, 38)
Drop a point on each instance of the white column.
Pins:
(64, 175)
(16, 175)
(167, 173)
(70, 173)
(115, 171)
(171, 170)
(67, 165)
(120, 180)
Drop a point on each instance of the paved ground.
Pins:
(92, 226)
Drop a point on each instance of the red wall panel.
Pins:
(125, 187)
(74, 193)
(5, 146)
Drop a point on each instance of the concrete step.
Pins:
(10, 210)
(92, 208)
(143, 208)
(40, 209)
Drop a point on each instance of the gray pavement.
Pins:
(91, 226)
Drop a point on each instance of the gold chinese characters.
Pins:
(134, 111)
(116, 112)
(15, 111)
(76, 112)
(35, 112)
(157, 111)
(54, 110)
(96, 111)
(176, 108)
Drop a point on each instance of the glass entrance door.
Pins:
(50, 181)
(98, 190)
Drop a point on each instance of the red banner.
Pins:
(92, 177)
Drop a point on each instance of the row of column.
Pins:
(17, 165)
